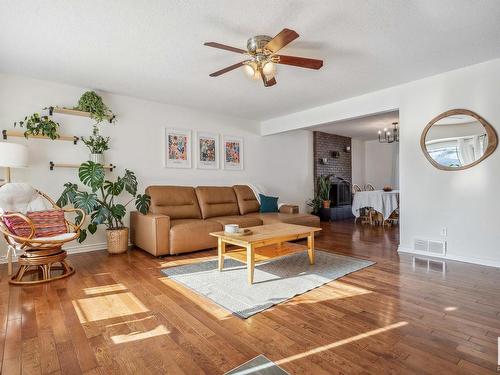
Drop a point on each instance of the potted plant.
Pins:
(324, 185)
(100, 203)
(97, 144)
(39, 125)
(91, 102)
(315, 204)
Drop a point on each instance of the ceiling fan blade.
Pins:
(228, 69)
(223, 46)
(284, 37)
(302, 62)
(267, 82)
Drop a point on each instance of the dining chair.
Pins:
(369, 187)
(355, 188)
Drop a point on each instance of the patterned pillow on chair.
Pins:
(47, 224)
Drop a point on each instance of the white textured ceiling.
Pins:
(154, 49)
(363, 128)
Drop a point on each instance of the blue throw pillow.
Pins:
(268, 204)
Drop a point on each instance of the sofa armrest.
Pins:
(289, 209)
(150, 232)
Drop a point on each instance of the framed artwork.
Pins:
(177, 153)
(207, 150)
(232, 149)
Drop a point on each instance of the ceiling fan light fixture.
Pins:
(251, 70)
(269, 69)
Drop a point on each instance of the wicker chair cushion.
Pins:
(47, 223)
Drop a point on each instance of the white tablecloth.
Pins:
(381, 201)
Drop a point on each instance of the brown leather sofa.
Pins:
(180, 218)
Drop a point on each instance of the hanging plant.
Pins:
(93, 103)
(39, 125)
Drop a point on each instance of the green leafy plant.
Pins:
(324, 185)
(100, 203)
(91, 102)
(315, 204)
(39, 125)
(96, 143)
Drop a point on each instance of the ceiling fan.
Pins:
(262, 50)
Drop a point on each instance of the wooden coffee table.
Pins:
(265, 242)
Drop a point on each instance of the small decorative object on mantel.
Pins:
(37, 125)
(100, 203)
(323, 161)
(387, 188)
(335, 154)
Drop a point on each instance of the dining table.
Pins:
(385, 202)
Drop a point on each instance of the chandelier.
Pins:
(386, 136)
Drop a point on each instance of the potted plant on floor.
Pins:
(324, 185)
(96, 144)
(100, 203)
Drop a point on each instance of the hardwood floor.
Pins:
(119, 314)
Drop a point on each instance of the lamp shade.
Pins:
(13, 155)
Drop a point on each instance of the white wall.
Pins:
(465, 202)
(282, 164)
(372, 162)
(358, 162)
(379, 159)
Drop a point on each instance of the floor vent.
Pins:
(437, 247)
(430, 246)
(421, 245)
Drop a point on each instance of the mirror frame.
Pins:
(490, 132)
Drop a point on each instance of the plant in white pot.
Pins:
(97, 144)
(100, 203)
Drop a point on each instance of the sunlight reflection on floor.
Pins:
(104, 289)
(107, 307)
(341, 342)
(135, 336)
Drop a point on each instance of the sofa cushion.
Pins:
(243, 221)
(192, 234)
(217, 201)
(277, 217)
(178, 202)
(268, 204)
(247, 202)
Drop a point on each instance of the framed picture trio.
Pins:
(209, 151)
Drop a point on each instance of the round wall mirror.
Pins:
(458, 139)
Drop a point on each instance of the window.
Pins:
(447, 155)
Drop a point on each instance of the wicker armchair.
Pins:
(39, 254)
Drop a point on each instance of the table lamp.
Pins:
(12, 155)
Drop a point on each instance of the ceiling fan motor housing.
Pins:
(257, 43)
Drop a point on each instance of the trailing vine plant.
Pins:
(39, 125)
(93, 103)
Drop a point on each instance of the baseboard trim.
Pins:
(458, 258)
(76, 249)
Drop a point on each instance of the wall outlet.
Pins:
(444, 232)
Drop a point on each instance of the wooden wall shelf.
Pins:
(75, 112)
(53, 165)
(12, 133)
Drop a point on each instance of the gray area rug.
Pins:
(259, 365)
(275, 281)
